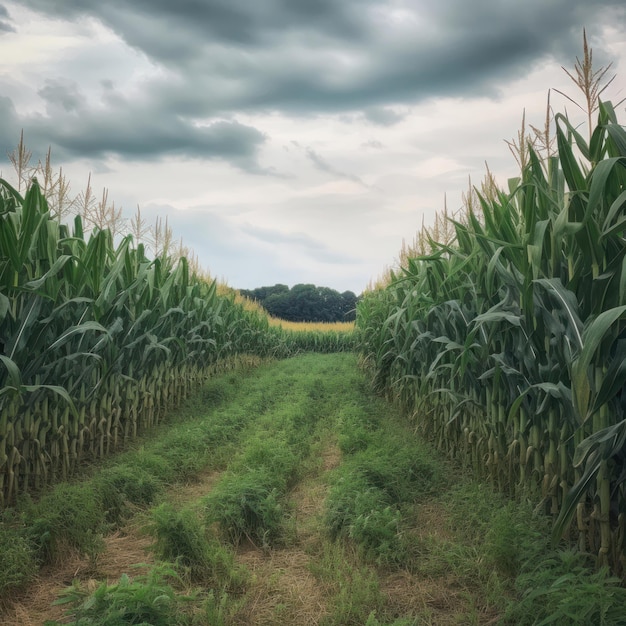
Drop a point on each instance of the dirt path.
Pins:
(123, 552)
(280, 578)
(283, 586)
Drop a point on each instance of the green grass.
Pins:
(249, 502)
(69, 517)
(561, 588)
(248, 506)
(18, 563)
(385, 472)
(183, 540)
(389, 509)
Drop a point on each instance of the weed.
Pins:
(120, 487)
(271, 456)
(182, 539)
(17, 559)
(146, 600)
(218, 609)
(471, 506)
(355, 439)
(373, 621)
(561, 589)
(247, 506)
(217, 391)
(404, 472)
(514, 537)
(150, 461)
(363, 513)
(69, 516)
(354, 592)
(374, 484)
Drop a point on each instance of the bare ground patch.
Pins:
(194, 489)
(282, 589)
(440, 598)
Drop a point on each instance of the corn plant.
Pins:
(508, 344)
(98, 341)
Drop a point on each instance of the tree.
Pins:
(305, 302)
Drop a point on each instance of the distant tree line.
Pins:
(305, 303)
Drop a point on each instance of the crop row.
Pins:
(508, 344)
(98, 341)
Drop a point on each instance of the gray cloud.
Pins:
(5, 26)
(138, 131)
(308, 56)
(237, 23)
(64, 94)
(304, 243)
(383, 116)
(296, 57)
(168, 81)
(9, 125)
(324, 166)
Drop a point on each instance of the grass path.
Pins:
(298, 498)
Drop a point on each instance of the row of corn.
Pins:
(508, 344)
(97, 341)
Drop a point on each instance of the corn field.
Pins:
(97, 341)
(508, 344)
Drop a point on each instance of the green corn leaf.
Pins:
(573, 175)
(497, 316)
(617, 208)
(593, 335)
(56, 267)
(618, 135)
(56, 389)
(535, 247)
(5, 305)
(605, 443)
(574, 496)
(17, 342)
(567, 302)
(9, 238)
(12, 191)
(558, 391)
(593, 451)
(601, 173)
(14, 374)
(78, 329)
(581, 144)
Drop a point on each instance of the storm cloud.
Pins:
(302, 57)
(4, 21)
(286, 103)
(320, 55)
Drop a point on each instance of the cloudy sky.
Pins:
(290, 141)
